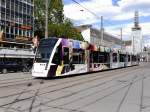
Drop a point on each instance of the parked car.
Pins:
(10, 66)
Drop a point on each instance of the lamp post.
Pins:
(46, 19)
(102, 31)
(121, 37)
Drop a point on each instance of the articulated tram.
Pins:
(59, 57)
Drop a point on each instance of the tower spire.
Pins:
(136, 21)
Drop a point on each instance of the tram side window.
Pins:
(114, 57)
(121, 57)
(106, 57)
(78, 56)
(101, 58)
(57, 56)
(82, 57)
(66, 55)
(134, 58)
(129, 58)
(95, 57)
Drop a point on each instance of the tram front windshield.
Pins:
(44, 50)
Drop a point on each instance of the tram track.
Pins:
(32, 79)
(64, 82)
(15, 80)
(45, 93)
(125, 95)
(88, 88)
(81, 98)
(142, 92)
(85, 90)
(113, 92)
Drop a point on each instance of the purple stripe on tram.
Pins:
(65, 42)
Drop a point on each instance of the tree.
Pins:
(57, 25)
(56, 11)
(64, 30)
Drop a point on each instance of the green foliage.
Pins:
(64, 30)
(57, 25)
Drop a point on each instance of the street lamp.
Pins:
(46, 19)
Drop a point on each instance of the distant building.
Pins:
(93, 36)
(137, 41)
(146, 54)
(16, 23)
(128, 46)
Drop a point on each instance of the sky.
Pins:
(116, 13)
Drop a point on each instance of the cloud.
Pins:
(115, 16)
(123, 11)
(132, 5)
(99, 7)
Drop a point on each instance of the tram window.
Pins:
(43, 55)
(48, 55)
(57, 58)
(95, 57)
(75, 59)
(78, 56)
(66, 55)
(101, 58)
(129, 58)
(134, 58)
(121, 57)
(104, 57)
(114, 57)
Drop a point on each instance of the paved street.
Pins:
(121, 90)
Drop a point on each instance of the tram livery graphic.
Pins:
(58, 57)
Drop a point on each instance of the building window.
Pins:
(12, 30)
(8, 4)
(20, 32)
(3, 16)
(16, 31)
(20, 7)
(8, 17)
(3, 28)
(28, 34)
(3, 2)
(12, 17)
(8, 30)
(12, 5)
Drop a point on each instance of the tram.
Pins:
(60, 57)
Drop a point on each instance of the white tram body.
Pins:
(59, 57)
